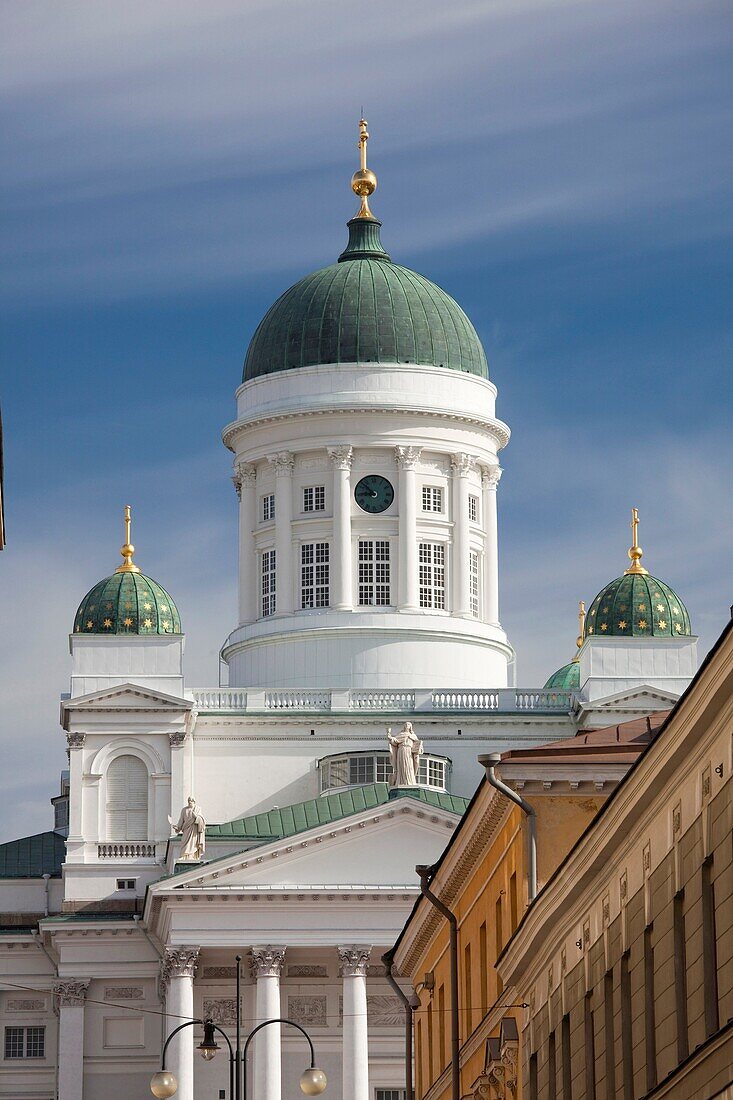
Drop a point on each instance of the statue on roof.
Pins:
(405, 749)
(192, 829)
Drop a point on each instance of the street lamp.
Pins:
(164, 1084)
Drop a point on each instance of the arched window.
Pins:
(127, 799)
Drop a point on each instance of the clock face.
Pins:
(374, 493)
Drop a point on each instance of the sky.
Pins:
(561, 167)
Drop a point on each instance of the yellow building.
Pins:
(485, 880)
(626, 959)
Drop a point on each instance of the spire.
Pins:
(363, 182)
(635, 551)
(128, 566)
(581, 628)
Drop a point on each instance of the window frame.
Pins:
(426, 579)
(315, 575)
(432, 495)
(25, 1036)
(268, 582)
(474, 514)
(359, 769)
(368, 570)
(267, 511)
(474, 583)
(317, 499)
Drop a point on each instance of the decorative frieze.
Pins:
(341, 457)
(221, 1011)
(308, 1011)
(70, 993)
(383, 1010)
(283, 463)
(26, 1004)
(267, 961)
(299, 971)
(220, 972)
(353, 960)
(124, 993)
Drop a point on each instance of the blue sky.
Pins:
(562, 167)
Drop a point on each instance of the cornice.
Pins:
(496, 428)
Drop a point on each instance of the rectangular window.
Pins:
(431, 557)
(25, 1042)
(473, 509)
(267, 582)
(709, 949)
(432, 498)
(567, 1069)
(627, 1035)
(650, 1033)
(315, 578)
(268, 507)
(431, 773)
(374, 573)
(680, 974)
(474, 562)
(590, 1049)
(513, 901)
(314, 498)
(389, 1094)
(499, 933)
(125, 883)
(442, 1049)
(431, 1063)
(552, 1069)
(361, 770)
(483, 953)
(468, 983)
(608, 1028)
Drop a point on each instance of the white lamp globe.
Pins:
(313, 1082)
(163, 1084)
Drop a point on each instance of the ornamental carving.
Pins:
(307, 971)
(222, 1012)
(385, 1011)
(124, 993)
(76, 740)
(178, 962)
(244, 474)
(462, 464)
(353, 960)
(341, 457)
(176, 739)
(490, 476)
(71, 993)
(220, 971)
(267, 961)
(26, 1005)
(407, 457)
(283, 462)
(308, 1011)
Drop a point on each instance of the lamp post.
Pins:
(164, 1084)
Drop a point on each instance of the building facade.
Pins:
(366, 467)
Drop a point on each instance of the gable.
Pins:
(127, 697)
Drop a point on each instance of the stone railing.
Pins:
(125, 850)
(419, 701)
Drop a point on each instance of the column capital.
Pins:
(490, 476)
(283, 463)
(353, 960)
(267, 961)
(341, 456)
(407, 458)
(245, 473)
(463, 464)
(71, 992)
(76, 740)
(178, 962)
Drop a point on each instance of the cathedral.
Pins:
(279, 815)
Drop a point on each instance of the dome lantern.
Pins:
(567, 678)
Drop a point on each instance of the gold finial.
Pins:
(128, 565)
(635, 551)
(363, 182)
(581, 628)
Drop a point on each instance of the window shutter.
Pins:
(127, 799)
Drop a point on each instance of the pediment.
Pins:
(127, 697)
(378, 847)
(639, 698)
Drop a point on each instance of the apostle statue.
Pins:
(405, 748)
(192, 829)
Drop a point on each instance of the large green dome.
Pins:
(566, 678)
(638, 605)
(127, 603)
(364, 309)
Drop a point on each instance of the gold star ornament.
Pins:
(128, 622)
(107, 623)
(622, 625)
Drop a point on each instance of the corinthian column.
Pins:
(354, 959)
(490, 476)
(267, 962)
(176, 974)
(245, 477)
(70, 995)
(283, 463)
(407, 460)
(342, 457)
(461, 466)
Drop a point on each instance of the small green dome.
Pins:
(127, 603)
(364, 309)
(640, 606)
(566, 678)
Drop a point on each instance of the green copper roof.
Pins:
(566, 678)
(127, 603)
(32, 856)
(640, 606)
(364, 309)
(289, 820)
